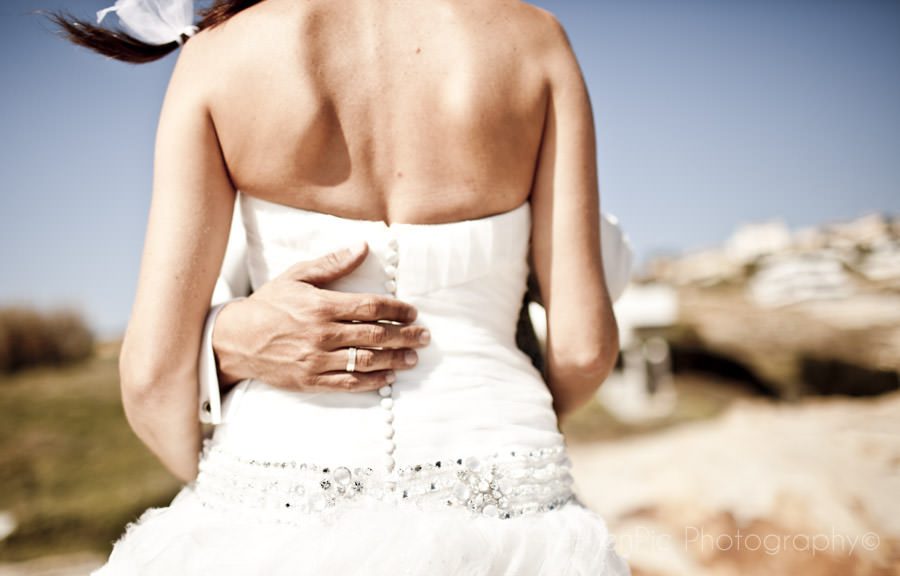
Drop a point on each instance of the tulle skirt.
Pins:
(384, 538)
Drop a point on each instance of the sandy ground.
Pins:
(68, 565)
(809, 488)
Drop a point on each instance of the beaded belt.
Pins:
(501, 485)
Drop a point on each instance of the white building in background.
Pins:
(752, 241)
(882, 264)
(644, 389)
(785, 279)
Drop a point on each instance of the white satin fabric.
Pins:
(233, 283)
(473, 391)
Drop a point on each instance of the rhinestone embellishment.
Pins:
(502, 485)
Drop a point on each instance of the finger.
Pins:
(350, 381)
(369, 360)
(369, 307)
(376, 335)
(331, 266)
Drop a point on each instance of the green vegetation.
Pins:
(71, 470)
(32, 338)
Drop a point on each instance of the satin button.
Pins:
(385, 391)
(389, 446)
(392, 243)
(390, 270)
(391, 286)
(392, 257)
(387, 403)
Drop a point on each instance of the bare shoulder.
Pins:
(207, 58)
(551, 46)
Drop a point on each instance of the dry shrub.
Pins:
(31, 338)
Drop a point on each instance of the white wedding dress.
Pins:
(456, 469)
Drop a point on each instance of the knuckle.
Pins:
(370, 307)
(322, 337)
(365, 358)
(332, 260)
(317, 301)
(316, 362)
(324, 308)
(315, 381)
(411, 336)
(378, 334)
(348, 382)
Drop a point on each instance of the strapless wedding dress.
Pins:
(458, 468)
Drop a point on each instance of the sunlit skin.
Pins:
(420, 111)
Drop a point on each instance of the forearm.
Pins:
(160, 405)
(572, 379)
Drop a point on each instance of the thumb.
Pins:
(333, 265)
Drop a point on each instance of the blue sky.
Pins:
(709, 113)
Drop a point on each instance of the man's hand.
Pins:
(292, 334)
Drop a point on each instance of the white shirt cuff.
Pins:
(210, 396)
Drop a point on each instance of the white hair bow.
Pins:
(154, 21)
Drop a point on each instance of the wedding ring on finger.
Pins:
(351, 359)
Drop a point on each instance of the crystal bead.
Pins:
(342, 475)
(472, 463)
(490, 510)
(461, 491)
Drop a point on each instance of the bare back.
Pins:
(416, 111)
(402, 111)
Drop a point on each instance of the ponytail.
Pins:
(122, 46)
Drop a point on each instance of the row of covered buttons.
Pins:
(392, 257)
(386, 392)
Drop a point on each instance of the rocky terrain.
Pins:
(814, 311)
(770, 488)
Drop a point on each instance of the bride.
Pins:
(453, 142)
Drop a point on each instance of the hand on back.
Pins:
(292, 334)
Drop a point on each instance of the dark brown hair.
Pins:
(122, 46)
